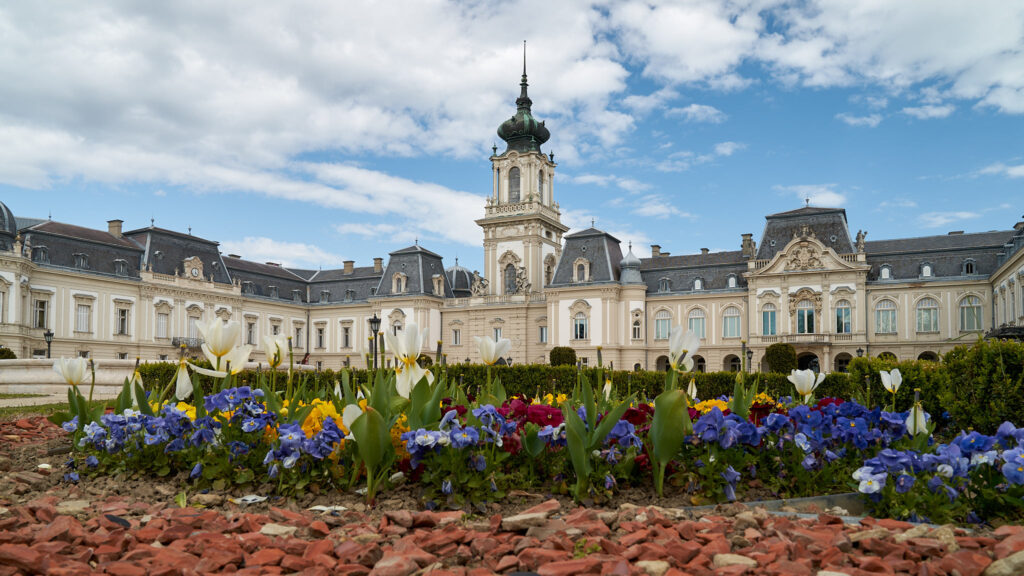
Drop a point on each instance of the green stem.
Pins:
(92, 368)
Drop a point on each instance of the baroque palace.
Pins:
(120, 294)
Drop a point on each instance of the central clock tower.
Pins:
(193, 268)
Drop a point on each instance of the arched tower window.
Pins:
(513, 185)
(510, 279)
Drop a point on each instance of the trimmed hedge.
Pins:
(984, 384)
(562, 356)
(781, 358)
(7, 354)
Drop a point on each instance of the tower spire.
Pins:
(523, 102)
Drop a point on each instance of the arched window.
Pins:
(637, 330)
(885, 272)
(731, 282)
(547, 274)
(664, 285)
(731, 322)
(695, 322)
(805, 317)
(926, 270)
(513, 185)
(768, 320)
(968, 267)
(540, 185)
(698, 284)
(510, 279)
(927, 315)
(662, 325)
(581, 272)
(885, 317)
(970, 314)
(579, 326)
(844, 317)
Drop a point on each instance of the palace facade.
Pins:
(808, 282)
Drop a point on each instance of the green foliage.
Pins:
(984, 384)
(666, 435)
(781, 358)
(7, 354)
(930, 377)
(562, 356)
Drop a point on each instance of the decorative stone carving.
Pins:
(860, 241)
(523, 285)
(805, 294)
(803, 256)
(479, 285)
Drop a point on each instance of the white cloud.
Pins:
(898, 203)
(1003, 169)
(658, 206)
(161, 193)
(871, 120)
(645, 104)
(727, 148)
(877, 102)
(697, 113)
(822, 195)
(630, 185)
(938, 219)
(288, 254)
(929, 111)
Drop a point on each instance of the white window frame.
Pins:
(580, 326)
(696, 321)
(768, 320)
(662, 325)
(805, 320)
(166, 319)
(972, 303)
(926, 315)
(731, 323)
(886, 317)
(844, 317)
(542, 334)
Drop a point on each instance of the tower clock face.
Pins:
(195, 272)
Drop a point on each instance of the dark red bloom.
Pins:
(543, 415)
(514, 408)
(694, 414)
(461, 409)
(640, 415)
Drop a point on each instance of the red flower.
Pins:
(461, 409)
(640, 415)
(543, 415)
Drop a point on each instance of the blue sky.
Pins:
(318, 132)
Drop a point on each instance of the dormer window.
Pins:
(296, 295)
(399, 283)
(248, 287)
(926, 270)
(272, 291)
(325, 296)
(81, 260)
(41, 255)
(121, 267)
(698, 284)
(969, 267)
(731, 282)
(350, 295)
(581, 270)
(885, 272)
(664, 285)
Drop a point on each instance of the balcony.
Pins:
(190, 343)
(808, 339)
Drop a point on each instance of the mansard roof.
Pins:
(713, 268)
(166, 250)
(65, 244)
(946, 254)
(419, 266)
(82, 233)
(828, 225)
(598, 247)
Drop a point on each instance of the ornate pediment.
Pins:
(805, 253)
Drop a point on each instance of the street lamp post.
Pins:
(374, 327)
(48, 336)
(860, 352)
(750, 359)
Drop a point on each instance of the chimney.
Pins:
(655, 250)
(349, 266)
(704, 251)
(272, 264)
(956, 233)
(236, 256)
(114, 227)
(378, 265)
(747, 246)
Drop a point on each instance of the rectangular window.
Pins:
(927, 319)
(731, 327)
(768, 323)
(346, 337)
(122, 321)
(162, 357)
(885, 321)
(39, 313)
(161, 325)
(83, 354)
(805, 321)
(843, 321)
(193, 330)
(319, 337)
(697, 326)
(122, 355)
(542, 334)
(83, 317)
(497, 334)
(250, 333)
(298, 338)
(585, 361)
(662, 327)
(319, 365)
(456, 337)
(275, 329)
(637, 333)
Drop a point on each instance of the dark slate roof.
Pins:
(25, 222)
(714, 268)
(166, 250)
(8, 225)
(828, 224)
(600, 248)
(101, 249)
(461, 281)
(355, 287)
(946, 254)
(258, 279)
(419, 265)
(305, 274)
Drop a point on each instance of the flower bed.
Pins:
(460, 451)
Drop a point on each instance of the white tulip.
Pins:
(237, 358)
(891, 380)
(607, 390)
(348, 416)
(406, 350)
(917, 422)
(491, 351)
(691, 390)
(182, 381)
(219, 336)
(805, 382)
(72, 370)
(276, 348)
(681, 347)
(136, 399)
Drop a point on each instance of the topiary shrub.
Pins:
(563, 356)
(985, 385)
(781, 358)
(7, 354)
